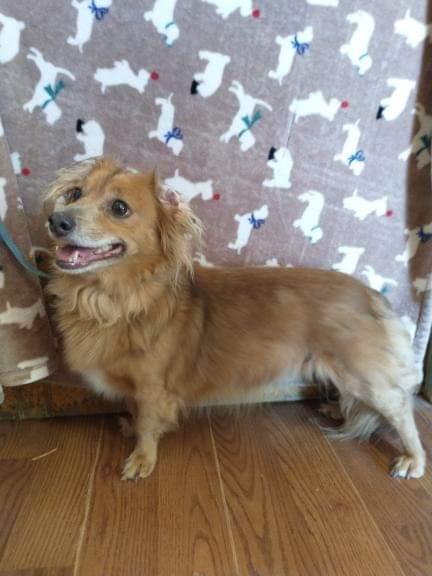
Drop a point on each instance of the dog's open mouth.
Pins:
(74, 257)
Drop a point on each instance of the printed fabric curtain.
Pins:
(300, 131)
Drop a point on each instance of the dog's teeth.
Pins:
(102, 250)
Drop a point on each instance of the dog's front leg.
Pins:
(151, 420)
(127, 425)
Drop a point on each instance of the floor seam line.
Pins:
(88, 501)
(224, 501)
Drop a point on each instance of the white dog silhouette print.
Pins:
(350, 258)
(357, 48)
(246, 223)
(202, 260)
(10, 35)
(189, 190)
(3, 202)
(362, 207)
(416, 236)
(15, 158)
(423, 284)
(289, 47)
(166, 132)
(392, 107)
(162, 18)
(225, 8)
(122, 74)
(421, 143)
(412, 30)
(377, 282)
(92, 137)
(85, 20)
(245, 119)
(315, 105)
(309, 222)
(351, 155)
(38, 368)
(47, 89)
(24, 317)
(331, 3)
(281, 162)
(208, 82)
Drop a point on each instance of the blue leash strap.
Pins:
(7, 239)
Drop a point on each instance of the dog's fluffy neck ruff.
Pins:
(122, 293)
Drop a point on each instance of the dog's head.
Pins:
(103, 215)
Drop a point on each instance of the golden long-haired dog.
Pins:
(141, 322)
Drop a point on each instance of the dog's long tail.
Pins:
(360, 421)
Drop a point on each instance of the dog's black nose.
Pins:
(60, 224)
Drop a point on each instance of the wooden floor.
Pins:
(260, 494)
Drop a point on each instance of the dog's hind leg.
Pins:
(396, 405)
(364, 413)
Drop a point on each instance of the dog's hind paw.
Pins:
(407, 467)
(138, 465)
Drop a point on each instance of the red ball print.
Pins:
(216, 196)
(154, 75)
(345, 104)
(256, 13)
(26, 172)
(389, 213)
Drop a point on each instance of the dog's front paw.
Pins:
(138, 465)
(408, 467)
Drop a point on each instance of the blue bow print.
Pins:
(424, 236)
(249, 122)
(175, 133)
(299, 47)
(426, 140)
(52, 92)
(359, 156)
(99, 13)
(256, 223)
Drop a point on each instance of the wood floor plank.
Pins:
(24, 440)
(40, 572)
(45, 532)
(15, 479)
(191, 507)
(401, 509)
(172, 523)
(293, 508)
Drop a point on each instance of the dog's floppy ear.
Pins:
(180, 230)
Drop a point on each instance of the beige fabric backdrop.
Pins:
(300, 131)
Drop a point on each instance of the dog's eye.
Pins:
(73, 195)
(120, 209)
